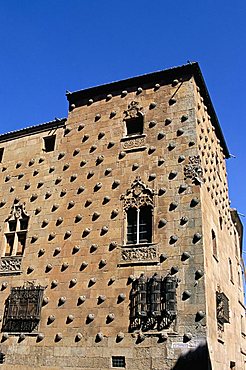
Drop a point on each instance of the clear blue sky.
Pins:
(49, 46)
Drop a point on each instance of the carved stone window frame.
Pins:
(137, 140)
(16, 229)
(137, 196)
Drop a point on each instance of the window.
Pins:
(118, 361)
(222, 305)
(153, 302)
(134, 119)
(243, 329)
(16, 236)
(134, 126)
(49, 143)
(231, 270)
(23, 308)
(138, 205)
(214, 244)
(1, 154)
(139, 225)
(236, 243)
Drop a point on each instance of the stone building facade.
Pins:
(119, 248)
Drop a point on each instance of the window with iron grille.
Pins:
(23, 309)
(139, 225)
(153, 302)
(222, 303)
(118, 361)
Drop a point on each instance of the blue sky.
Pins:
(49, 46)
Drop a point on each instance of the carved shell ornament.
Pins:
(138, 195)
(134, 110)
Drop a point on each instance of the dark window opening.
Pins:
(9, 244)
(139, 225)
(49, 143)
(23, 224)
(1, 154)
(236, 244)
(221, 223)
(231, 270)
(12, 225)
(134, 126)
(214, 244)
(118, 361)
(22, 312)
(21, 244)
(16, 237)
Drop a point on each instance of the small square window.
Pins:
(49, 143)
(118, 361)
(134, 126)
(1, 154)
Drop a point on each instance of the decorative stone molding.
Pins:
(193, 170)
(10, 264)
(139, 253)
(136, 142)
(138, 195)
(18, 211)
(134, 110)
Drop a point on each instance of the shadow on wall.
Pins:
(195, 359)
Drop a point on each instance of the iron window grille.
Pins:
(153, 302)
(23, 309)
(222, 303)
(118, 361)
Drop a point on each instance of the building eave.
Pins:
(81, 97)
(51, 125)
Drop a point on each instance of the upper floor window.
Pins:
(214, 244)
(1, 154)
(231, 270)
(134, 119)
(138, 207)
(16, 233)
(23, 308)
(139, 225)
(49, 143)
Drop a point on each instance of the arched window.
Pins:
(138, 204)
(139, 225)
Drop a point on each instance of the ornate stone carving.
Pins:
(133, 111)
(193, 170)
(18, 211)
(139, 254)
(138, 195)
(10, 264)
(132, 143)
